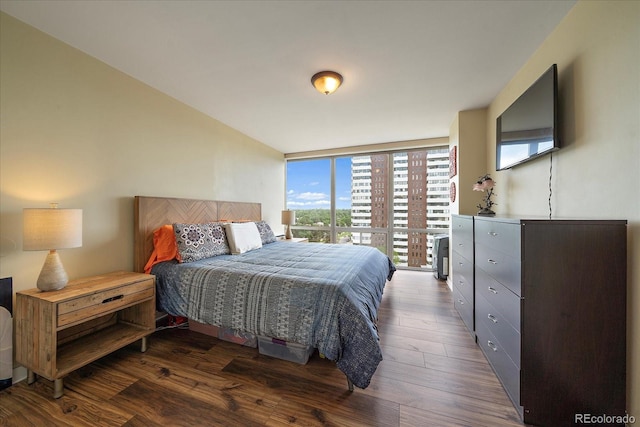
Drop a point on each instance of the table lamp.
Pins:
(288, 219)
(51, 229)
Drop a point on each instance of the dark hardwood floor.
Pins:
(433, 374)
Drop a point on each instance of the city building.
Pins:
(419, 208)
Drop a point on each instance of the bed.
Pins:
(315, 295)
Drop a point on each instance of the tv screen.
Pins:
(529, 127)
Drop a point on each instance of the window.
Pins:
(394, 201)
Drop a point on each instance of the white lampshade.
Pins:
(51, 229)
(288, 217)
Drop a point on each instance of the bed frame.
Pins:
(151, 213)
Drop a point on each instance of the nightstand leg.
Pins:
(31, 377)
(58, 388)
(143, 344)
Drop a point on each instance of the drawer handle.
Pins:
(492, 234)
(492, 346)
(461, 283)
(117, 297)
(461, 302)
(460, 263)
(460, 244)
(493, 290)
(492, 261)
(492, 318)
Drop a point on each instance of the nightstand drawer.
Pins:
(86, 307)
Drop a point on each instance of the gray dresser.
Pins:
(550, 312)
(497, 299)
(462, 266)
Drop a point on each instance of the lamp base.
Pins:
(288, 235)
(52, 276)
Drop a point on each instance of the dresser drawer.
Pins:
(462, 278)
(462, 227)
(501, 236)
(462, 236)
(505, 369)
(464, 308)
(462, 247)
(500, 266)
(507, 337)
(501, 298)
(104, 302)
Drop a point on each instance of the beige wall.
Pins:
(76, 131)
(597, 172)
(467, 133)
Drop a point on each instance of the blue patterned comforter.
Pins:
(320, 295)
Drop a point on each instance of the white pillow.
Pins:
(243, 237)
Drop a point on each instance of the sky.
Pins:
(309, 184)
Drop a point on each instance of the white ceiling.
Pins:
(408, 66)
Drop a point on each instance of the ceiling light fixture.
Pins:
(326, 81)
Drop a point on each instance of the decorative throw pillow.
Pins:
(243, 237)
(266, 233)
(199, 241)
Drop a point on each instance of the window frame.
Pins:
(390, 231)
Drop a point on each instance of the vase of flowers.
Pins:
(485, 184)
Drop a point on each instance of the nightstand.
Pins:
(60, 331)
(296, 240)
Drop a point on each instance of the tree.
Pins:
(321, 218)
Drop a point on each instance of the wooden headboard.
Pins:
(151, 213)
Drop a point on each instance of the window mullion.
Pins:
(333, 235)
(390, 205)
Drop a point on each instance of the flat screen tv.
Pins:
(528, 129)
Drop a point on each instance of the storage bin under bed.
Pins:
(284, 350)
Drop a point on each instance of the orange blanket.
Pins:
(165, 247)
